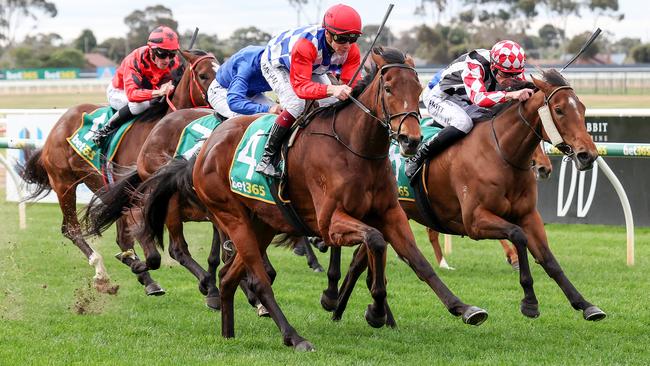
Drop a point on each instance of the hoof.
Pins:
(262, 312)
(593, 313)
(304, 346)
(373, 321)
(153, 289)
(515, 266)
(474, 316)
(530, 310)
(203, 289)
(319, 269)
(213, 302)
(327, 303)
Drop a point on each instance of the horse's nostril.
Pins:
(584, 157)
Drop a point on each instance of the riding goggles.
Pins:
(344, 38)
(162, 54)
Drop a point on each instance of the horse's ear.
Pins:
(188, 56)
(377, 53)
(409, 61)
(540, 84)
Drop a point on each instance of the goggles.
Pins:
(344, 38)
(162, 54)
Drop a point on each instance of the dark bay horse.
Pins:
(58, 167)
(542, 168)
(485, 189)
(339, 181)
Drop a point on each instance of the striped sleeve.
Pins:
(472, 76)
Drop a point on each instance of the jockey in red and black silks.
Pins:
(144, 74)
(467, 85)
(296, 62)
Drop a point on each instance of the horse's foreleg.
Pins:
(312, 260)
(328, 299)
(538, 245)
(486, 225)
(511, 254)
(396, 228)
(434, 239)
(130, 258)
(346, 230)
(357, 266)
(72, 230)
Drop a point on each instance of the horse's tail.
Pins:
(108, 204)
(33, 172)
(173, 178)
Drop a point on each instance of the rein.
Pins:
(384, 121)
(549, 125)
(194, 83)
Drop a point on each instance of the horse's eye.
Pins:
(203, 76)
(558, 110)
(387, 89)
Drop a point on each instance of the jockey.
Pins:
(467, 84)
(239, 85)
(295, 64)
(145, 74)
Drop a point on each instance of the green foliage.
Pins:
(86, 41)
(13, 12)
(641, 53)
(142, 22)
(248, 36)
(114, 48)
(576, 43)
(66, 57)
(386, 38)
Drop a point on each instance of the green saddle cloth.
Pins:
(81, 140)
(244, 180)
(194, 135)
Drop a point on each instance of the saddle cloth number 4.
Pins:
(248, 154)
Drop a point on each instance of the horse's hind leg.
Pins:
(71, 229)
(128, 256)
(511, 254)
(434, 239)
(538, 245)
(213, 298)
(395, 226)
(312, 260)
(328, 299)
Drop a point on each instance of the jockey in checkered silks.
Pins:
(469, 84)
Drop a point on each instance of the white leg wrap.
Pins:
(97, 261)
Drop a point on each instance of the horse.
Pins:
(338, 181)
(488, 191)
(58, 167)
(542, 168)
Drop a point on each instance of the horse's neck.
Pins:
(517, 140)
(181, 98)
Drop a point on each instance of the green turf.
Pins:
(42, 276)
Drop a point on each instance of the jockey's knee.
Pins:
(463, 123)
(294, 107)
(137, 108)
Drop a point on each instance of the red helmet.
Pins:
(163, 37)
(342, 19)
(508, 56)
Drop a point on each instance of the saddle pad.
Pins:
(244, 180)
(194, 135)
(81, 140)
(404, 190)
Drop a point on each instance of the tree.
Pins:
(641, 53)
(386, 38)
(576, 43)
(13, 12)
(243, 37)
(550, 36)
(86, 42)
(66, 57)
(206, 42)
(142, 22)
(114, 48)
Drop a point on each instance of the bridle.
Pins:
(548, 124)
(386, 118)
(194, 83)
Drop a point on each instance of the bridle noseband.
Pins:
(195, 83)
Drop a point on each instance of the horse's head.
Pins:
(542, 166)
(192, 89)
(563, 119)
(398, 89)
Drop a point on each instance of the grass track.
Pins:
(42, 276)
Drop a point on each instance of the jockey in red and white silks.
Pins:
(295, 64)
(468, 84)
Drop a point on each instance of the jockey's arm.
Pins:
(351, 65)
(238, 101)
(472, 76)
(302, 60)
(133, 86)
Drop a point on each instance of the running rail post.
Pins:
(627, 210)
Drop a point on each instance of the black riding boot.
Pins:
(431, 148)
(265, 165)
(120, 117)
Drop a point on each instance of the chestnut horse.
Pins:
(58, 167)
(485, 189)
(339, 182)
(542, 167)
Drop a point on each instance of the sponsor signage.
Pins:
(39, 74)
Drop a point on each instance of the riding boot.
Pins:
(431, 148)
(265, 166)
(120, 117)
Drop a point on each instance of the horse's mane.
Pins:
(390, 55)
(553, 77)
(158, 109)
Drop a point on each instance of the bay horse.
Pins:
(482, 186)
(542, 168)
(339, 182)
(58, 167)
